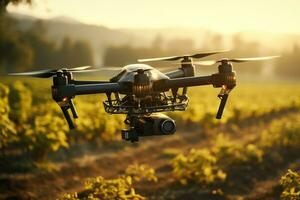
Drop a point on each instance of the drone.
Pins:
(142, 92)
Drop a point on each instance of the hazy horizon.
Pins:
(225, 17)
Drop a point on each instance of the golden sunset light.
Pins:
(220, 15)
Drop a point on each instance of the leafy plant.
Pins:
(7, 128)
(94, 124)
(47, 132)
(119, 188)
(283, 134)
(20, 102)
(198, 166)
(238, 156)
(141, 172)
(100, 188)
(291, 186)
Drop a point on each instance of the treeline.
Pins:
(29, 48)
(287, 66)
(126, 54)
(32, 49)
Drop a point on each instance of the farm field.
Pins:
(243, 156)
(252, 153)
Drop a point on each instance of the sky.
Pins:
(226, 16)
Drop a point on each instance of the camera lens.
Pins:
(168, 126)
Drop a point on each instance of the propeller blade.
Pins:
(86, 71)
(40, 74)
(78, 68)
(159, 59)
(205, 62)
(204, 54)
(50, 72)
(237, 60)
(172, 58)
(111, 68)
(98, 70)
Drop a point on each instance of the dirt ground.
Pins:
(111, 161)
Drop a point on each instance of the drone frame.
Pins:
(65, 88)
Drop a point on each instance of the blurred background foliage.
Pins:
(33, 125)
(30, 43)
(33, 130)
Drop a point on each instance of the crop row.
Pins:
(217, 169)
(121, 188)
(32, 123)
(232, 164)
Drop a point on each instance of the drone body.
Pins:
(142, 92)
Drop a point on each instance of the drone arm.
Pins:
(63, 95)
(189, 81)
(175, 73)
(68, 91)
(79, 82)
(97, 88)
(225, 80)
(184, 82)
(186, 70)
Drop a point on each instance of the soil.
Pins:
(110, 161)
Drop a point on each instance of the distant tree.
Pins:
(75, 53)
(180, 46)
(126, 54)
(20, 50)
(288, 65)
(158, 43)
(44, 50)
(65, 52)
(82, 54)
(212, 41)
(119, 55)
(243, 48)
(14, 50)
(4, 4)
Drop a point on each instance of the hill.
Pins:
(101, 36)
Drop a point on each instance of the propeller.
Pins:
(172, 58)
(40, 74)
(63, 77)
(47, 73)
(235, 60)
